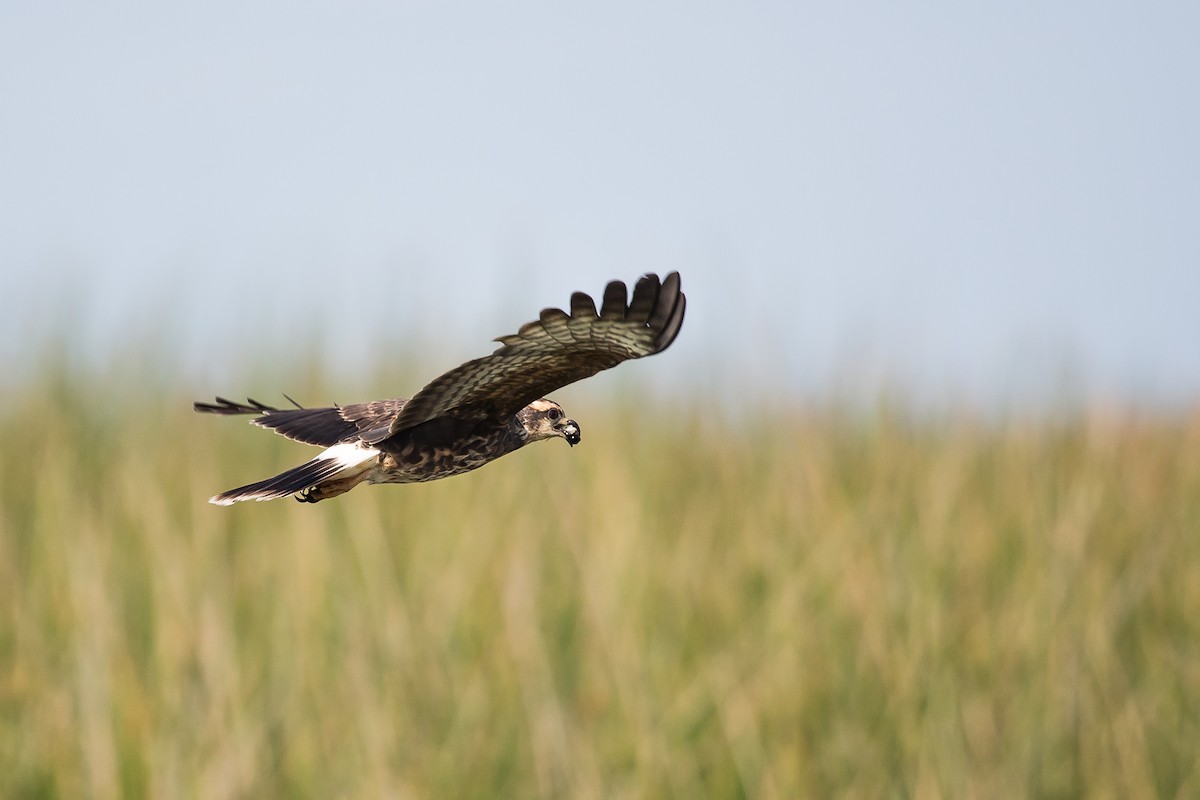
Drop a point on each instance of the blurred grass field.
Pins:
(787, 602)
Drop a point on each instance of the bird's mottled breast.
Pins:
(413, 462)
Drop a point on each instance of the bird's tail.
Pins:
(338, 463)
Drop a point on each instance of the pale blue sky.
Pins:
(968, 198)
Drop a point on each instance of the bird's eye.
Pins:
(554, 414)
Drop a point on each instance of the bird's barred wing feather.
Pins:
(373, 419)
(555, 350)
(318, 426)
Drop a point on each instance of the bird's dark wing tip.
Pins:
(669, 309)
(224, 406)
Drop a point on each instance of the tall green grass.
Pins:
(793, 603)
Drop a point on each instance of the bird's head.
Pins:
(545, 419)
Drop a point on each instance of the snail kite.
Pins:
(474, 413)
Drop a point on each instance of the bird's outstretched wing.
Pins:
(555, 350)
(326, 426)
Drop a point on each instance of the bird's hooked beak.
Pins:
(570, 431)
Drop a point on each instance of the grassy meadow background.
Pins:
(790, 601)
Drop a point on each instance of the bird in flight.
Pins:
(474, 413)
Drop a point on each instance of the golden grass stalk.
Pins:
(793, 604)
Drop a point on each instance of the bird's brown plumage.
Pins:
(474, 403)
(555, 350)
